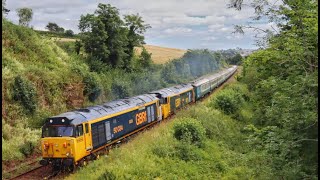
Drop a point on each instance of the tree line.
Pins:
(25, 15)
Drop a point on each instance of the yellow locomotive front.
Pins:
(58, 145)
(63, 142)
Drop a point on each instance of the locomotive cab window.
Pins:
(57, 131)
(79, 130)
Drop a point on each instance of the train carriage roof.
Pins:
(172, 91)
(199, 82)
(79, 116)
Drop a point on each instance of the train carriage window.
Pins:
(149, 114)
(164, 100)
(79, 130)
(87, 128)
(101, 133)
(152, 112)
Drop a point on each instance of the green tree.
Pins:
(4, 9)
(109, 39)
(236, 59)
(104, 35)
(25, 16)
(94, 38)
(53, 27)
(135, 36)
(60, 30)
(77, 46)
(284, 81)
(168, 73)
(69, 33)
(145, 58)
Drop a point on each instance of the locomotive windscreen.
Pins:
(57, 131)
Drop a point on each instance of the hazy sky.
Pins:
(185, 24)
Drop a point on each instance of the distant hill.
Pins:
(161, 55)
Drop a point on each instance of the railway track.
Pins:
(46, 172)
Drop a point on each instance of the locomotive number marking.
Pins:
(177, 102)
(141, 117)
(117, 129)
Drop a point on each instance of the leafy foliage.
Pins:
(228, 101)
(69, 33)
(231, 100)
(27, 148)
(25, 93)
(120, 89)
(25, 16)
(107, 38)
(283, 79)
(92, 86)
(53, 27)
(190, 131)
(4, 9)
(145, 58)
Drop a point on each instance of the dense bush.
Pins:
(92, 86)
(190, 131)
(25, 93)
(169, 73)
(120, 89)
(231, 101)
(228, 101)
(187, 152)
(283, 78)
(27, 148)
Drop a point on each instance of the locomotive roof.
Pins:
(79, 116)
(171, 91)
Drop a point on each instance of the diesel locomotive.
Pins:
(73, 137)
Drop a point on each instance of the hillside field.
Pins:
(161, 55)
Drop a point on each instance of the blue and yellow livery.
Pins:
(72, 137)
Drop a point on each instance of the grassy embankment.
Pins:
(157, 154)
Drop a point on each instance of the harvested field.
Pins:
(161, 55)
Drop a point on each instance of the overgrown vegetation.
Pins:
(283, 79)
